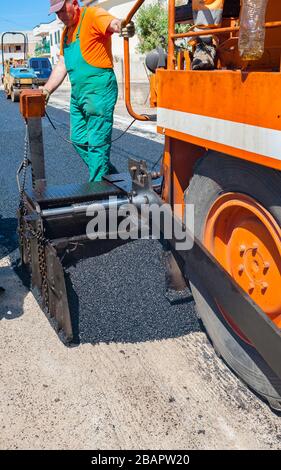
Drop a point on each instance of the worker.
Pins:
(206, 13)
(86, 56)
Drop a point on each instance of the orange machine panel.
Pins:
(178, 168)
(234, 112)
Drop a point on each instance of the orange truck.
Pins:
(222, 133)
(222, 156)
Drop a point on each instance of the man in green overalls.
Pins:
(86, 56)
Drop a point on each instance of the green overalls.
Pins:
(93, 98)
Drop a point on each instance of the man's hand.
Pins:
(119, 26)
(46, 94)
(127, 31)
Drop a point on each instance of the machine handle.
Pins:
(25, 44)
(133, 10)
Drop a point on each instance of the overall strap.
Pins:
(79, 29)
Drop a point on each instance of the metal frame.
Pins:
(172, 37)
(36, 149)
(14, 33)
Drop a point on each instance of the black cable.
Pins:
(156, 163)
(86, 145)
(96, 146)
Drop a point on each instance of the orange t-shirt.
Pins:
(95, 43)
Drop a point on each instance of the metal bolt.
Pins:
(255, 248)
(241, 268)
(242, 249)
(266, 266)
(251, 287)
(264, 287)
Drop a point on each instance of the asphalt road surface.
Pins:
(144, 374)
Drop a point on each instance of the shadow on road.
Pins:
(12, 290)
(8, 235)
(12, 298)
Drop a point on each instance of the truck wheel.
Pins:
(15, 95)
(238, 218)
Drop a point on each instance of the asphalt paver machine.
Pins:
(222, 156)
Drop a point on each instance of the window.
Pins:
(45, 64)
(51, 39)
(35, 64)
(58, 36)
(18, 48)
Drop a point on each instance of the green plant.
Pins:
(152, 27)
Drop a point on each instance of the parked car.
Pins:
(42, 67)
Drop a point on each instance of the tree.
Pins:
(152, 27)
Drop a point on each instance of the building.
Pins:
(48, 39)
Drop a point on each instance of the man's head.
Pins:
(66, 10)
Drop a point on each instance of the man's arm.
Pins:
(56, 78)
(114, 27)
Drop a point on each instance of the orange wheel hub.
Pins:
(246, 240)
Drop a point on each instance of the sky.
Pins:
(18, 15)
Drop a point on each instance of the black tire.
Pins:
(217, 174)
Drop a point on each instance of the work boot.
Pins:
(204, 57)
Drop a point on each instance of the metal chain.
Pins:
(41, 241)
(38, 234)
(25, 162)
(22, 207)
